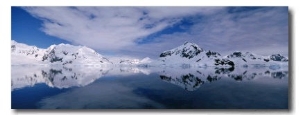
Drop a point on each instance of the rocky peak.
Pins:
(187, 50)
(278, 57)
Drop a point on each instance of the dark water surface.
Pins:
(187, 88)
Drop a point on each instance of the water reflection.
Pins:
(149, 87)
(191, 79)
(188, 82)
(187, 78)
(63, 77)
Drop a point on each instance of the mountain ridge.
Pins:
(187, 54)
(191, 53)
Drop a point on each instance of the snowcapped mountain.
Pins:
(186, 55)
(128, 61)
(144, 61)
(64, 54)
(22, 53)
(278, 57)
(192, 54)
(248, 58)
(69, 54)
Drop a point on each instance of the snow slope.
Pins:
(247, 58)
(25, 54)
(186, 55)
(191, 55)
(66, 54)
(62, 54)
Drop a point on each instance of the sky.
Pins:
(148, 31)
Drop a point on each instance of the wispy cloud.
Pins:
(262, 30)
(109, 28)
(258, 29)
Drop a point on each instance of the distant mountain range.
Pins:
(192, 54)
(76, 66)
(186, 55)
(63, 54)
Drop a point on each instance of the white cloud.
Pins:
(116, 29)
(263, 31)
(174, 12)
(109, 28)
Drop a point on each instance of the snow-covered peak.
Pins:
(22, 53)
(134, 61)
(64, 54)
(69, 54)
(239, 54)
(187, 54)
(250, 57)
(192, 55)
(129, 61)
(22, 48)
(247, 56)
(187, 50)
(278, 57)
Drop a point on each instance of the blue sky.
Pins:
(148, 31)
(27, 29)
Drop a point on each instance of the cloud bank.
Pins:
(128, 30)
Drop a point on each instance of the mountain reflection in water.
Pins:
(188, 78)
(191, 79)
(150, 87)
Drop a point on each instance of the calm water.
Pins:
(84, 87)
